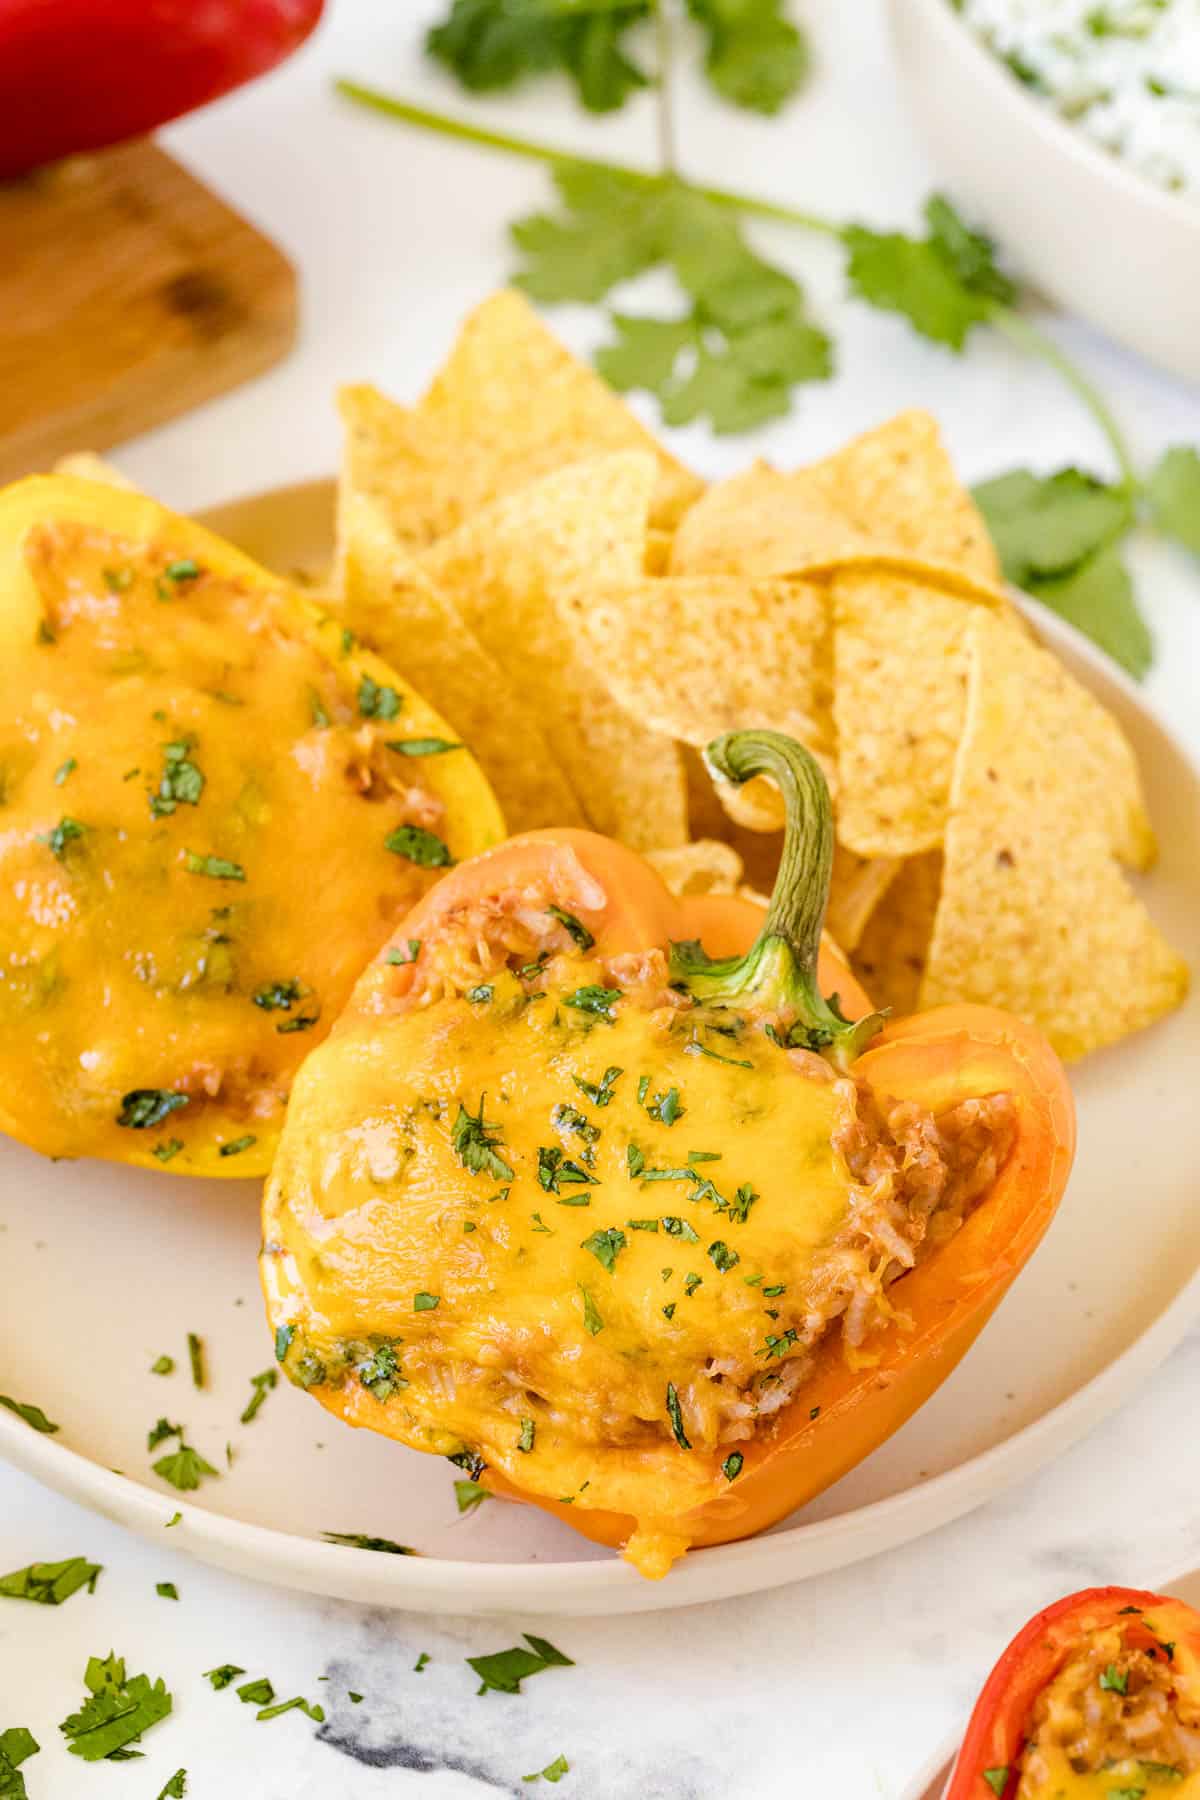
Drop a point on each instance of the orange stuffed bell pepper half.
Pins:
(1097, 1698)
(631, 1205)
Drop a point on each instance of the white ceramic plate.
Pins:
(930, 1783)
(105, 1268)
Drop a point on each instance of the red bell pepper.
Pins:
(79, 74)
(988, 1765)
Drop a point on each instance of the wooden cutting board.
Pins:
(129, 293)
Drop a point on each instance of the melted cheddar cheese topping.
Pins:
(208, 825)
(574, 1232)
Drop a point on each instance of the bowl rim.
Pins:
(1056, 133)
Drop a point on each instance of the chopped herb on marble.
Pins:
(49, 1584)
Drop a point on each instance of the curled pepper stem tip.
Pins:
(779, 971)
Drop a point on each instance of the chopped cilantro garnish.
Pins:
(217, 868)
(469, 1494)
(691, 1283)
(606, 1245)
(355, 1540)
(703, 1156)
(635, 1160)
(528, 1433)
(675, 1227)
(675, 1415)
(555, 1168)
(505, 1670)
(777, 1346)
(117, 581)
(196, 1358)
(475, 1139)
(669, 1175)
(32, 1415)
(302, 1022)
(185, 1468)
(256, 1693)
(997, 1780)
(235, 1146)
(176, 1518)
(426, 746)
(399, 960)
(421, 1664)
(176, 1788)
(223, 1676)
(666, 1108)
(423, 1302)
(731, 1468)
(164, 1151)
(296, 1704)
(375, 702)
(160, 1432)
(599, 1092)
(181, 781)
(553, 1771)
(49, 1584)
(279, 996)
(142, 1108)
(481, 995)
(422, 847)
(743, 1200)
(539, 1225)
(163, 1365)
(592, 1321)
(184, 568)
(283, 1340)
(17, 1745)
(1114, 1680)
(668, 1312)
(67, 831)
(575, 929)
(642, 1224)
(599, 1001)
(643, 1088)
(116, 1712)
(262, 1385)
(65, 769)
(574, 1200)
(380, 1373)
(166, 1590)
(570, 1118)
(320, 717)
(469, 1461)
(694, 1047)
(723, 1257)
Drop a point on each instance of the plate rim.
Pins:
(610, 1585)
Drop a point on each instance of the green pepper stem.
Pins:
(779, 971)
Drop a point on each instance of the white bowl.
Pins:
(1101, 240)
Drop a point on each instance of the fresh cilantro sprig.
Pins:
(754, 55)
(743, 340)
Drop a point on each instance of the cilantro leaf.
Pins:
(32, 1415)
(1098, 598)
(475, 1140)
(16, 1746)
(756, 57)
(49, 1584)
(504, 1670)
(185, 1468)
(262, 1385)
(553, 1771)
(469, 1494)
(176, 1788)
(745, 341)
(943, 284)
(606, 1246)
(222, 1677)
(116, 1712)
(217, 868)
(355, 1540)
(419, 846)
(1173, 491)
(142, 1108)
(493, 44)
(1047, 524)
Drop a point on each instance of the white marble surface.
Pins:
(838, 1687)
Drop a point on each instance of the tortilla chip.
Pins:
(893, 489)
(89, 467)
(857, 886)
(1035, 915)
(890, 956)
(509, 406)
(391, 604)
(702, 867)
(756, 524)
(522, 573)
(692, 657)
